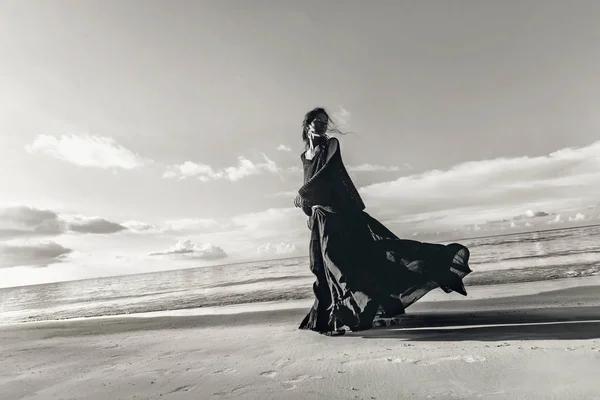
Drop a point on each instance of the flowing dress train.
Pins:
(362, 269)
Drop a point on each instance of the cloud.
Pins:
(95, 225)
(276, 248)
(205, 173)
(531, 219)
(533, 214)
(102, 226)
(187, 223)
(289, 194)
(244, 232)
(247, 168)
(274, 225)
(190, 170)
(23, 221)
(86, 151)
(37, 254)
(142, 227)
(342, 117)
(529, 214)
(294, 170)
(271, 220)
(283, 147)
(555, 221)
(196, 225)
(478, 191)
(377, 168)
(192, 250)
(577, 217)
(474, 228)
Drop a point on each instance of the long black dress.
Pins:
(362, 269)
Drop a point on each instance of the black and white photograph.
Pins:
(299, 200)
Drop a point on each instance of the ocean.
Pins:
(536, 256)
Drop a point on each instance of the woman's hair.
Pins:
(310, 116)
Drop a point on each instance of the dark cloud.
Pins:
(191, 250)
(22, 221)
(95, 226)
(38, 254)
(25, 221)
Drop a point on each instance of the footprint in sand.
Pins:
(394, 360)
(292, 383)
(467, 359)
(304, 378)
(473, 359)
(269, 374)
(223, 371)
(182, 389)
(400, 360)
(235, 391)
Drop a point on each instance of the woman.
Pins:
(363, 270)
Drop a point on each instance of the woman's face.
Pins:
(318, 126)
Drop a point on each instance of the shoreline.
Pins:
(289, 295)
(435, 299)
(300, 256)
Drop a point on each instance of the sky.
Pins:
(138, 136)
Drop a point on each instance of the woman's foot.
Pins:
(339, 332)
(387, 322)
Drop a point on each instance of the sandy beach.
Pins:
(539, 341)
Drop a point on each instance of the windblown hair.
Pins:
(310, 116)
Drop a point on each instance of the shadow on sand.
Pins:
(559, 323)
